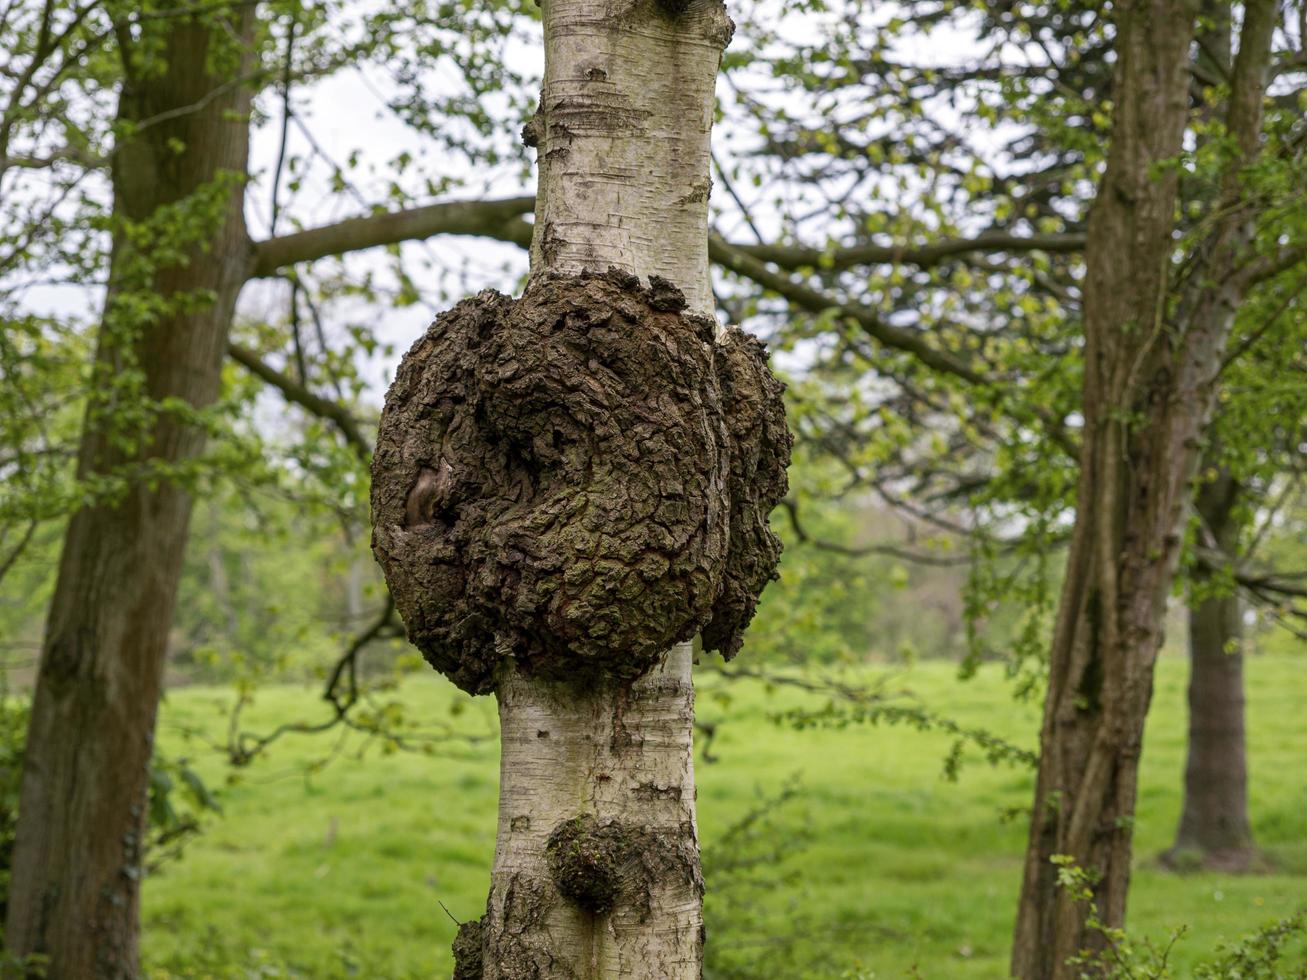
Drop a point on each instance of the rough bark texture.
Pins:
(77, 859)
(760, 445)
(596, 869)
(597, 862)
(551, 481)
(1214, 830)
(1150, 371)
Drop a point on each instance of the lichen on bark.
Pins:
(577, 480)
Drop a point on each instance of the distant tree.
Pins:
(1154, 346)
(1249, 478)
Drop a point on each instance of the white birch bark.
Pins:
(622, 756)
(623, 129)
(622, 132)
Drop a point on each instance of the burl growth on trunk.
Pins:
(577, 480)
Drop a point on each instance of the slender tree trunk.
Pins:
(1214, 830)
(78, 856)
(1151, 366)
(617, 756)
(622, 131)
(220, 583)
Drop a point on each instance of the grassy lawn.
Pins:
(341, 871)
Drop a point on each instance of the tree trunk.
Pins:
(1214, 831)
(177, 185)
(623, 130)
(617, 757)
(1151, 366)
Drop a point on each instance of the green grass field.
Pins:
(341, 871)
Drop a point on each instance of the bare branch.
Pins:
(1270, 266)
(806, 298)
(67, 154)
(500, 219)
(242, 747)
(297, 393)
(1281, 584)
(14, 555)
(925, 256)
(857, 551)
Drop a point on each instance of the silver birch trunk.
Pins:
(622, 132)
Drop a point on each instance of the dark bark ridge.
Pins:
(516, 953)
(760, 453)
(578, 480)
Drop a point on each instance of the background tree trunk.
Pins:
(1151, 364)
(1214, 830)
(78, 855)
(623, 129)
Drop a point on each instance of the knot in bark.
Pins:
(712, 19)
(588, 861)
(598, 864)
(673, 8)
(577, 480)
